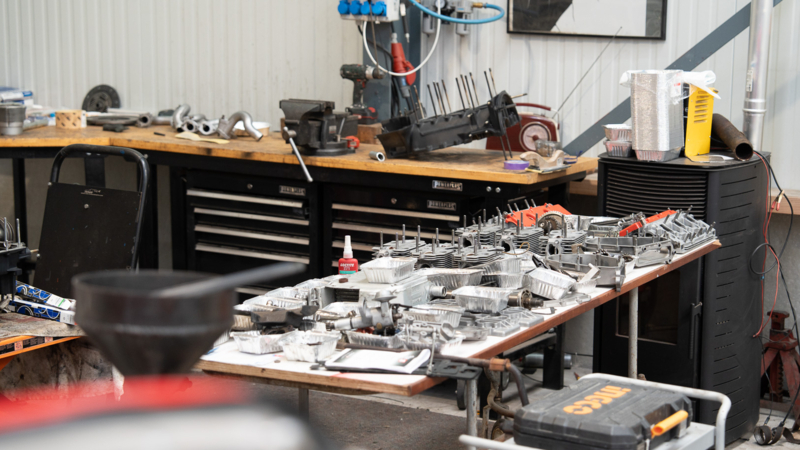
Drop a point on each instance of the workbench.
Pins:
(351, 194)
(276, 370)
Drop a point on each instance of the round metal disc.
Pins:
(531, 133)
(100, 98)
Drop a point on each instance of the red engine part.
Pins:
(400, 64)
(782, 360)
(533, 213)
(531, 127)
(650, 220)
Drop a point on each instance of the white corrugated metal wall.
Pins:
(548, 67)
(217, 56)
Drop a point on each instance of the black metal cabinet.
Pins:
(236, 222)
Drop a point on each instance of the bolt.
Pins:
(86, 206)
(394, 201)
(488, 189)
(497, 190)
(249, 186)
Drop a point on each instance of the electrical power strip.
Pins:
(374, 10)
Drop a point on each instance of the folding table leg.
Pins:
(553, 370)
(633, 333)
(472, 408)
(302, 395)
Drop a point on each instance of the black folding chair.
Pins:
(87, 229)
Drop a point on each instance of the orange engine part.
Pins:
(652, 219)
(533, 213)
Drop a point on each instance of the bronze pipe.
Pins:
(735, 140)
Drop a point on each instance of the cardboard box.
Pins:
(33, 309)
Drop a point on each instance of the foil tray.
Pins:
(483, 299)
(658, 155)
(424, 313)
(504, 280)
(453, 278)
(388, 270)
(523, 316)
(372, 340)
(618, 132)
(548, 283)
(309, 346)
(619, 149)
(257, 343)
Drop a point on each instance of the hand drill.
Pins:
(360, 75)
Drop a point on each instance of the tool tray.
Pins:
(599, 414)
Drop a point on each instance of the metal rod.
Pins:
(433, 103)
(299, 157)
(527, 204)
(488, 86)
(493, 85)
(633, 333)
(469, 91)
(484, 215)
(444, 88)
(471, 396)
(417, 237)
(518, 96)
(503, 148)
(421, 110)
(460, 95)
(404, 233)
(475, 88)
(265, 274)
(437, 236)
(396, 240)
(19, 235)
(439, 97)
(465, 222)
(381, 238)
(587, 71)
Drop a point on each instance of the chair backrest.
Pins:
(88, 229)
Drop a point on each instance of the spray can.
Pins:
(347, 264)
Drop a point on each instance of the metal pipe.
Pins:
(180, 115)
(735, 140)
(208, 127)
(225, 126)
(633, 333)
(755, 91)
(471, 394)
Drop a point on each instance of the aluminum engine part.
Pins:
(647, 250)
(225, 126)
(180, 115)
(208, 127)
(612, 268)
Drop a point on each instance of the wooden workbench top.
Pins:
(455, 163)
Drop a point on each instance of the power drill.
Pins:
(360, 75)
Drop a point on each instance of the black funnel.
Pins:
(143, 334)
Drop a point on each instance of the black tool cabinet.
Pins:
(226, 221)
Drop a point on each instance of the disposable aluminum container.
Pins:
(618, 132)
(453, 278)
(257, 343)
(309, 346)
(548, 283)
(504, 280)
(388, 270)
(426, 313)
(289, 292)
(505, 265)
(657, 110)
(483, 299)
(586, 286)
(657, 155)
(619, 149)
(522, 316)
(372, 340)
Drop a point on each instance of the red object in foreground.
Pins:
(142, 394)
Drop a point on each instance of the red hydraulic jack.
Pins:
(781, 358)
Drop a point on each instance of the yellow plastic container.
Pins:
(698, 122)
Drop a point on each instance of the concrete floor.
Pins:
(430, 421)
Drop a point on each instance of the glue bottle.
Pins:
(347, 264)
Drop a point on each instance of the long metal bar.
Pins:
(433, 103)
(419, 102)
(459, 94)
(633, 333)
(471, 399)
(688, 61)
(444, 89)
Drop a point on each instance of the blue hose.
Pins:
(465, 21)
